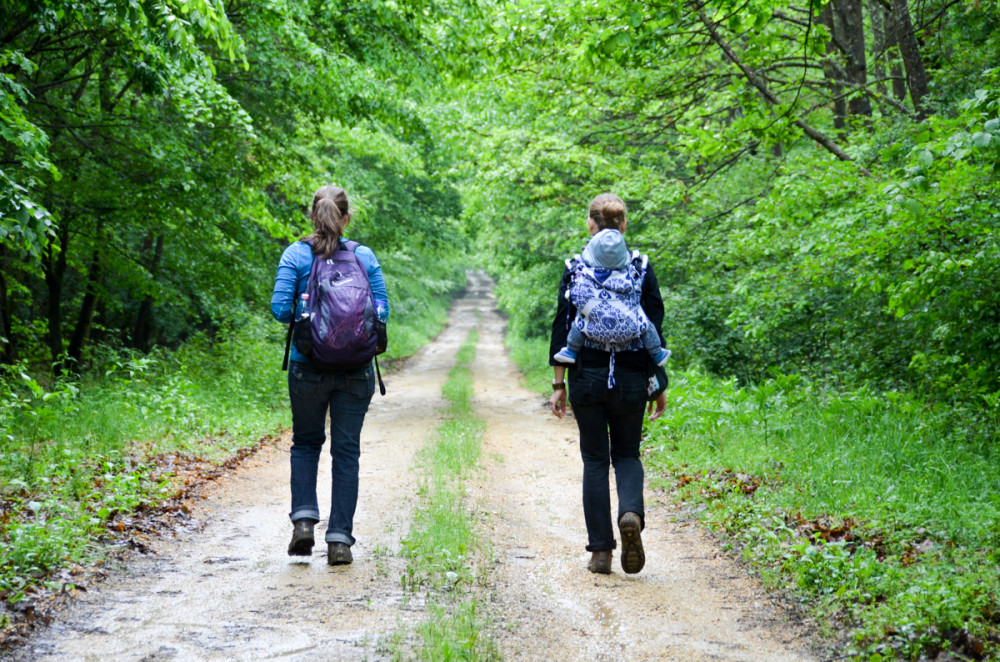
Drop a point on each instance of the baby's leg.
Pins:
(651, 340)
(574, 341)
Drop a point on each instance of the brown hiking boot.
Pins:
(600, 562)
(338, 553)
(302, 538)
(633, 558)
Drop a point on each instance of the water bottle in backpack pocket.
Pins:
(381, 316)
(302, 329)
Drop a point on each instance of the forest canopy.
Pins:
(815, 182)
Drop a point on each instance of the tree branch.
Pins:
(817, 136)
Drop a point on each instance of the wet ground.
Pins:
(229, 591)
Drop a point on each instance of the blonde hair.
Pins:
(607, 211)
(329, 209)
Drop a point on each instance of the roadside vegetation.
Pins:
(879, 511)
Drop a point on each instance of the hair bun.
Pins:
(607, 211)
(613, 209)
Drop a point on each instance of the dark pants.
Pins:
(610, 422)
(346, 395)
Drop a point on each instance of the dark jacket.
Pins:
(652, 305)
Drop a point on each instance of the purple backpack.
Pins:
(339, 332)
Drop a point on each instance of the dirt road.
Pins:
(230, 592)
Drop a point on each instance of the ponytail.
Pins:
(329, 208)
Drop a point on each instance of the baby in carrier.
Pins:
(606, 289)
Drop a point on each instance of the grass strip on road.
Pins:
(442, 545)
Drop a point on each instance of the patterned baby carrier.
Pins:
(608, 302)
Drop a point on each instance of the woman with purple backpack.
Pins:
(315, 388)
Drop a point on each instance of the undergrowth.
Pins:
(77, 451)
(880, 511)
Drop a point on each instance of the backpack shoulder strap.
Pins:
(640, 262)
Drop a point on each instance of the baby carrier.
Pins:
(610, 314)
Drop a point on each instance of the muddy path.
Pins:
(229, 591)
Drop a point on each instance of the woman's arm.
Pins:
(374, 271)
(557, 403)
(560, 330)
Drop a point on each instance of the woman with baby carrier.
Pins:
(321, 380)
(608, 380)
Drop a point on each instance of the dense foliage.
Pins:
(153, 153)
(815, 186)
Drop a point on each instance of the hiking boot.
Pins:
(302, 538)
(565, 355)
(600, 562)
(338, 553)
(633, 558)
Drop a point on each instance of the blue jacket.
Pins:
(293, 276)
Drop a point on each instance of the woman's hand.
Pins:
(557, 403)
(661, 406)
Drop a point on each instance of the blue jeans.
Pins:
(346, 395)
(610, 422)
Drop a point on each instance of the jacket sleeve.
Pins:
(285, 285)
(560, 323)
(652, 302)
(374, 271)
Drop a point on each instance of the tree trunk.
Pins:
(830, 71)
(892, 54)
(8, 351)
(54, 267)
(853, 27)
(916, 76)
(81, 333)
(879, 46)
(143, 321)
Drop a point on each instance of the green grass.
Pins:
(412, 328)
(532, 357)
(442, 544)
(882, 513)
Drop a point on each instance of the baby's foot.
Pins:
(565, 355)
